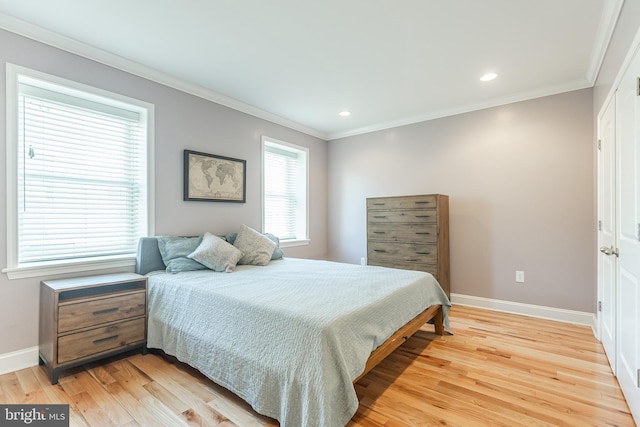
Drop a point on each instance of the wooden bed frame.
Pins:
(149, 259)
(404, 333)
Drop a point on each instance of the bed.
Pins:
(291, 337)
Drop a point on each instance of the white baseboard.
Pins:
(551, 313)
(17, 360)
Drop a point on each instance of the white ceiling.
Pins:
(301, 62)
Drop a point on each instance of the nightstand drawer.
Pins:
(99, 340)
(94, 312)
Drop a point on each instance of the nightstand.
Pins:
(87, 318)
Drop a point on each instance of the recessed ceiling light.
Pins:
(488, 77)
(345, 113)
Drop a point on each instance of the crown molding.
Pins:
(67, 44)
(606, 27)
(495, 102)
(608, 20)
(633, 50)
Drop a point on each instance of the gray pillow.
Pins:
(277, 253)
(256, 248)
(216, 254)
(175, 250)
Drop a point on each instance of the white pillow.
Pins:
(255, 247)
(216, 254)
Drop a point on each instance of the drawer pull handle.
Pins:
(423, 216)
(379, 232)
(379, 216)
(423, 232)
(101, 340)
(379, 250)
(422, 202)
(423, 253)
(105, 311)
(379, 204)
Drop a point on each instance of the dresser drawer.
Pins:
(410, 252)
(409, 216)
(94, 312)
(411, 233)
(410, 202)
(99, 340)
(418, 266)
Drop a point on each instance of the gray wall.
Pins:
(181, 121)
(520, 180)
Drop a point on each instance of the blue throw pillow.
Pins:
(174, 251)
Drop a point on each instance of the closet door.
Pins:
(628, 233)
(606, 231)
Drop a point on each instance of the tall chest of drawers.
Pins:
(88, 318)
(410, 232)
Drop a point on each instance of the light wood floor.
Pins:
(497, 370)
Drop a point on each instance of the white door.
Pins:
(606, 231)
(628, 234)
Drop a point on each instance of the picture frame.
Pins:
(213, 178)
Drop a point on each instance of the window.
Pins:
(77, 174)
(284, 189)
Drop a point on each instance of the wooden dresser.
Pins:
(410, 232)
(88, 318)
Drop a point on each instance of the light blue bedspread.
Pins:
(290, 337)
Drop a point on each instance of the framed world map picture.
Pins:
(213, 178)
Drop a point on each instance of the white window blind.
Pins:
(285, 190)
(81, 175)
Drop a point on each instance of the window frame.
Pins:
(299, 241)
(13, 269)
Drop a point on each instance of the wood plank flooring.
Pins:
(496, 370)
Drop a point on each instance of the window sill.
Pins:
(53, 268)
(292, 243)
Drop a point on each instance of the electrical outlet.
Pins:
(363, 261)
(519, 276)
